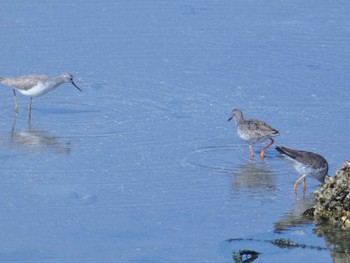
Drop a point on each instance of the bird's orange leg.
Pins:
(262, 153)
(297, 183)
(304, 184)
(251, 151)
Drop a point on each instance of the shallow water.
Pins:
(143, 165)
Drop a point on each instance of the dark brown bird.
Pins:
(307, 164)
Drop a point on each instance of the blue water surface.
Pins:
(143, 165)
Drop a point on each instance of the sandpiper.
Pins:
(36, 85)
(253, 131)
(307, 164)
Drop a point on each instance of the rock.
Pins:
(333, 199)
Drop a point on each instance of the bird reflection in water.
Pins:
(37, 141)
(295, 216)
(253, 175)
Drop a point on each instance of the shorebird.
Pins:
(36, 85)
(307, 164)
(253, 131)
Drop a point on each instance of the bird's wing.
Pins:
(313, 159)
(25, 82)
(260, 128)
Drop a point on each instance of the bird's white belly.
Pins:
(302, 169)
(37, 90)
(306, 170)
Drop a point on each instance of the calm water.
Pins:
(143, 165)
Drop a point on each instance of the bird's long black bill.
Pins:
(75, 85)
(230, 118)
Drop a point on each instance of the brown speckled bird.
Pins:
(253, 131)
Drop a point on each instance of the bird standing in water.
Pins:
(307, 164)
(253, 131)
(36, 85)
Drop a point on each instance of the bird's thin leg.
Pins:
(297, 183)
(262, 153)
(30, 110)
(304, 184)
(16, 103)
(14, 125)
(251, 151)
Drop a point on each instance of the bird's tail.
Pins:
(287, 152)
(280, 149)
